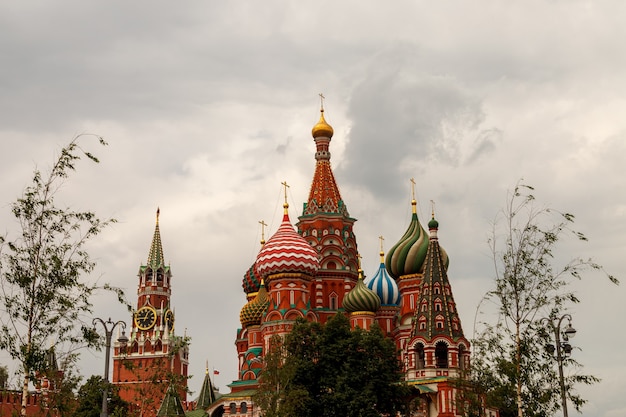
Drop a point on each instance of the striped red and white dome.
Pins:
(286, 251)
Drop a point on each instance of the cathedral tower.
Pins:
(327, 226)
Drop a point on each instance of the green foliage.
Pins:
(42, 288)
(510, 363)
(4, 377)
(330, 370)
(89, 399)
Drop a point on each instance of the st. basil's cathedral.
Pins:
(312, 271)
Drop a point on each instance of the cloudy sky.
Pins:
(208, 106)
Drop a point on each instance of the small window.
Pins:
(244, 407)
(233, 408)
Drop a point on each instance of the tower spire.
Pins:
(155, 256)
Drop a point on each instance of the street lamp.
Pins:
(109, 326)
(563, 349)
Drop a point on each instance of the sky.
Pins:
(208, 106)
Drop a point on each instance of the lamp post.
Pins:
(109, 326)
(563, 349)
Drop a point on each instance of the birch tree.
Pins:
(43, 287)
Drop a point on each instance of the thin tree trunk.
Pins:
(24, 394)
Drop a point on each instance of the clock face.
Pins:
(145, 318)
(169, 319)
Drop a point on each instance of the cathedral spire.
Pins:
(324, 196)
(155, 256)
(436, 314)
(207, 392)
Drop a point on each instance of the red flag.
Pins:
(216, 372)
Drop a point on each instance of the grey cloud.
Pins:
(486, 142)
(401, 119)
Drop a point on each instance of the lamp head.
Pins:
(569, 332)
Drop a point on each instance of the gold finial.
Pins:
(413, 202)
(358, 258)
(432, 208)
(382, 253)
(263, 224)
(158, 212)
(322, 129)
(207, 367)
(285, 205)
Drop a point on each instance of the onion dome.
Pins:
(322, 129)
(252, 313)
(384, 286)
(251, 280)
(407, 256)
(361, 298)
(286, 251)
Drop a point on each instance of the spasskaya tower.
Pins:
(154, 352)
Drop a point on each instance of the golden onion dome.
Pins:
(322, 129)
(252, 312)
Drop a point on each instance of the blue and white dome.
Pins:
(384, 286)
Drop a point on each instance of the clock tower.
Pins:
(154, 356)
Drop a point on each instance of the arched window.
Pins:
(422, 321)
(233, 408)
(461, 357)
(333, 301)
(439, 322)
(441, 355)
(244, 407)
(420, 357)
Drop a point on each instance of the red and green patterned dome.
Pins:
(286, 251)
(251, 280)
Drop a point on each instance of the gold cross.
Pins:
(322, 101)
(284, 184)
(381, 242)
(413, 188)
(263, 224)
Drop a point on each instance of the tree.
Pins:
(510, 362)
(4, 377)
(330, 370)
(42, 287)
(89, 399)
